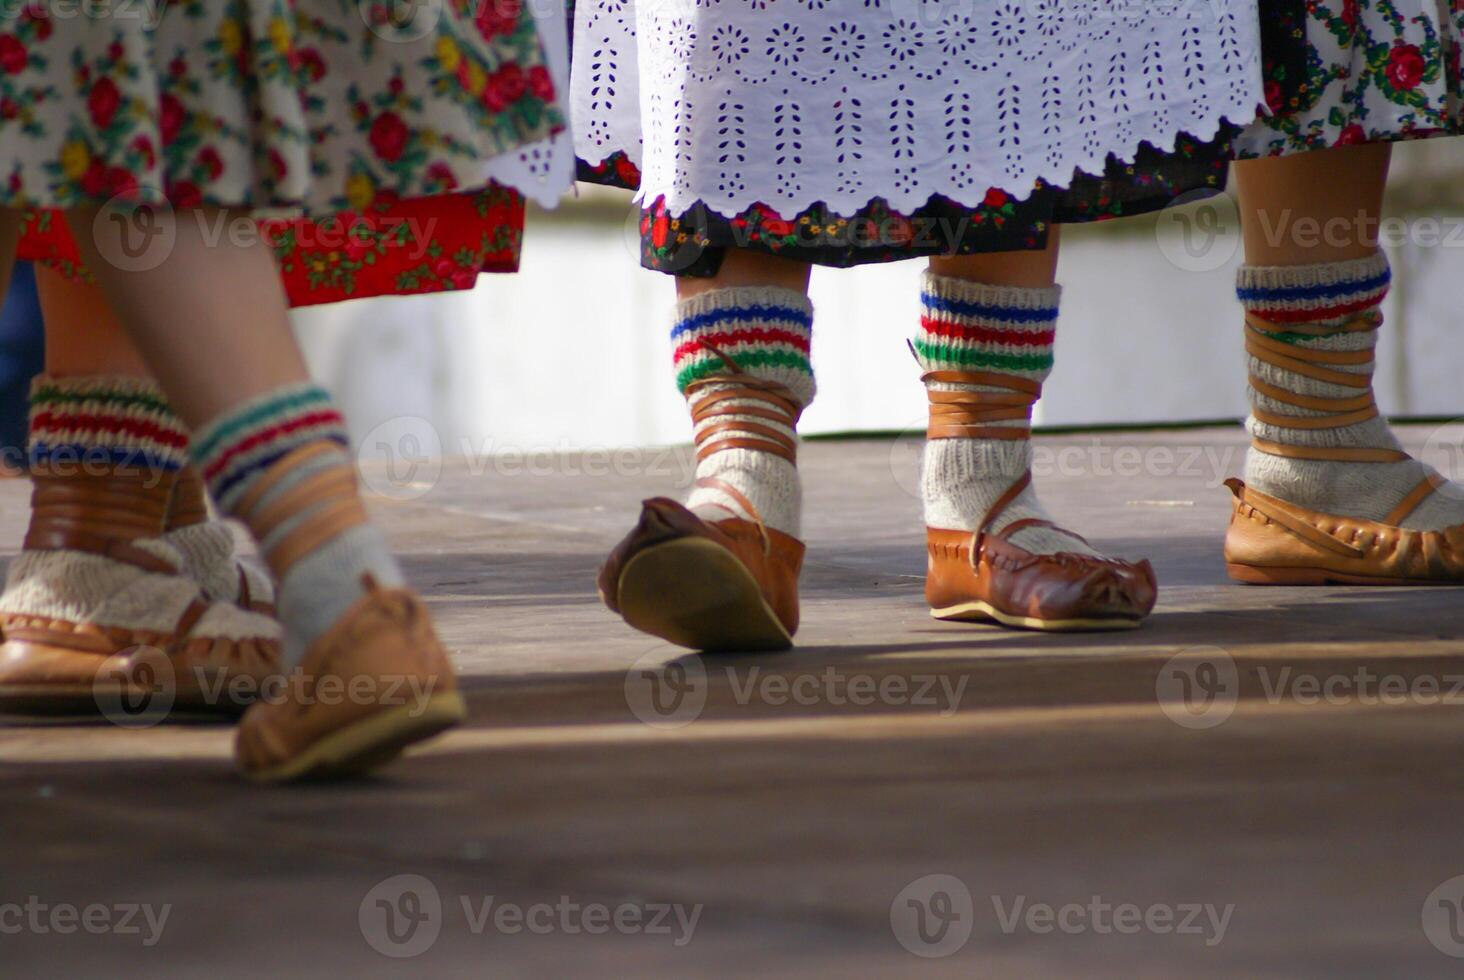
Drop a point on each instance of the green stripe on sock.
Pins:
(252, 418)
(1296, 339)
(119, 399)
(746, 359)
(967, 357)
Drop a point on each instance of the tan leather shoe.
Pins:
(982, 576)
(152, 635)
(1275, 542)
(1272, 542)
(52, 666)
(716, 586)
(1010, 585)
(377, 682)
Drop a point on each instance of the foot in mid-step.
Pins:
(364, 674)
(721, 572)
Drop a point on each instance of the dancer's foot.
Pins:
(365, 675)
(994, 554)
(99, 596)
(721, 573)
(1329, 494)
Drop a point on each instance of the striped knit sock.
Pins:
(96, 422)
(93, 423)
(766, 332)
(969, 326)
(1330, 294)
(250, 443)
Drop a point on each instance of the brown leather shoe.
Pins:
(1272, 542)
(716, 586)
(211, 658)
(52, 666)
(377, 682)
(983, 576)
(1010, 585)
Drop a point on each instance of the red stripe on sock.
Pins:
(108, 425)
(987, 335)
(751, 335)
(321, 418)
(1282, 315)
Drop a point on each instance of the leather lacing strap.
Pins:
(729, 426)
(189, 505)
(1333, 413)
(967, 414)
(319, 507)
(774, 402)
(100, 513)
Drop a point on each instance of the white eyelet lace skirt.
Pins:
(794, 102)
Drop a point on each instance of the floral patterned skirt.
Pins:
(1343, 72)
(389, 248)
(695, 242)
(311, 104)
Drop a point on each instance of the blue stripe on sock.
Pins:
(42, 452)
(1011, 314)
(1328, 291)
(733, 314)
(225, 484)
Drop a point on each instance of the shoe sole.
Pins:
(696, 594)
(40, 700)
(369, 743)
(1301, 575)
(980, 611)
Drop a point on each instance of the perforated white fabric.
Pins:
(793, 102)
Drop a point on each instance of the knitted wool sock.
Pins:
(969, 326)
(250, 443)
(1329, 295)
(766, 332)
(207, 546)
(119, 427)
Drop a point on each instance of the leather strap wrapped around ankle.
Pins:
(774, 402)
(1335, 413)
(965, 414)
(100, 513)
(190, 500)
(320, 506)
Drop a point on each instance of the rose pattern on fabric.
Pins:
(316, 104)
(1360, 71)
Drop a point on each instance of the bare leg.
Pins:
(1031, 269)
(746, 268)
(83, 335)
(210, 320)
(1323, 206)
